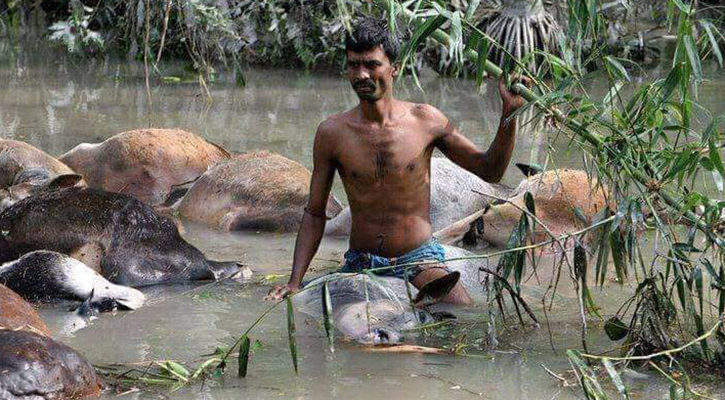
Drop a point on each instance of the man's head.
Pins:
(371, 54)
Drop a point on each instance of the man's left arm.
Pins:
(491, 164)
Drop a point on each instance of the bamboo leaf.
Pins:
(581, 270)
(177, 369)
(618, 67)
(715, 158)
(244, 350)
(483, 49)
(603, 256)
(615, 329)
(616, 242)
(472, 7)
(327, 315)
(616, 379)
(685, 248)
(291, 333)
(684, 8)
(422, 32)
(713, 42)
(529, 202)
(694, 57)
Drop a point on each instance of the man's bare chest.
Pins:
(379, 158)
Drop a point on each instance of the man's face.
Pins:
(371, 74)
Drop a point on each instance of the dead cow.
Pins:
(257, 190)
(144, 163)
(34, 366)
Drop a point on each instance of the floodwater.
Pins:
(55, 103)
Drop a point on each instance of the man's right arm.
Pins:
(313, 219)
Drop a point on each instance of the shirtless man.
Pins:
(382, 150)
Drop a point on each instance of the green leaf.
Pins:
(618, 67)
(327, 315)
(694, 57)
(616, 379)
(177, 369)
(714, 155)
(515, 261)
(713, 42)
(483, 48)
(422, 32)
(291, 333)
(684, 8)
(529, 202)
(616, 242)
(615, 329)
(244, 348)
(685, 248)
(581, 270)
(472, 7)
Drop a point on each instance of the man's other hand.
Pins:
(512, 101)
(279, 292)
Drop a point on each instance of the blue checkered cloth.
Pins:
(356, 261)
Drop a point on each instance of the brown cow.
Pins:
(25, 171)
(257, 190)
(33, 364)
(144, 163)
(565, 201)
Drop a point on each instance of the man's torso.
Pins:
(386, 174)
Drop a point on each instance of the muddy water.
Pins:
(56, 103)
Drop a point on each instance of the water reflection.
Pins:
(55, 104)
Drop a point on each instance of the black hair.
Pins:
(369, 33)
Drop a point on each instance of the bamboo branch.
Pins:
(575, 126)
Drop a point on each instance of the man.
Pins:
(382, 150)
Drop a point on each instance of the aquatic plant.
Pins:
(652, 156)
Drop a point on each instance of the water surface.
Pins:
(55, 103)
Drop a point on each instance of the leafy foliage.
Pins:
(74, 33)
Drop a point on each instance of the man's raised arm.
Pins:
(491, 164)
(314, 218)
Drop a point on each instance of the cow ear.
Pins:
(334, 207)
(530, 169)
(436, 290)
(22, 190)
(64, 181)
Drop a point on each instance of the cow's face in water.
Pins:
(32, 183)
(166, 259)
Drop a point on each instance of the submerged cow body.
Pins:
(565, 201)
(47, 276)
(257, 190)
(378, 311)
(34, 366)
(25, 171)
(144, 163)
(16, 157)
(117, 235)
(454, 194)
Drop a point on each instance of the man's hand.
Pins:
(279, 292)
(512, 101)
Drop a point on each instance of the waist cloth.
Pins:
(357, 261)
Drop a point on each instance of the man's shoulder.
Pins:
(334, 123)
(427, 113)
